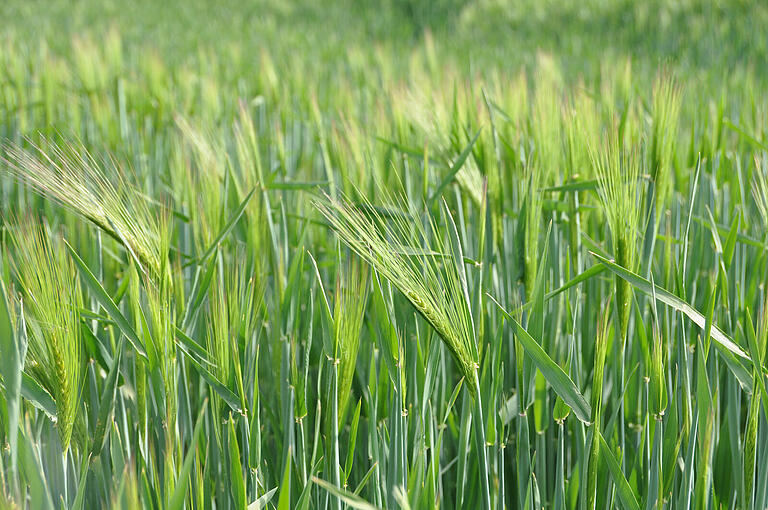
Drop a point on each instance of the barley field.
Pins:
(398, 254)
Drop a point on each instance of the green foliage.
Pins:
(441, 255)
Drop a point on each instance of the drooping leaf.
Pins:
(555, 376)
(350, 498)
(730, 351)
(106, 302)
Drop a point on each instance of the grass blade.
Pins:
(182, 480)
(235, 468)
(11, 366)
(228, 227)
(726, 345)
(107, 402)
(555, 376)
(626, 496)
(106, 302)
(455, 167)
(284, 499)
(351, 499)
(37, 396)
(262, 501)
(80, 496)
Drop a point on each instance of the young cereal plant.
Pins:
(52, 298)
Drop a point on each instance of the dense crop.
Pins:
(310, 270)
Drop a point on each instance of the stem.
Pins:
(302, 449)
(560, 476)
(592, 461)
(651, 229)
(622, 418)
(623, 301)
(335, 430)
(483, 461)
(64, 469)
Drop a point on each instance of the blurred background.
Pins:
(708, 38)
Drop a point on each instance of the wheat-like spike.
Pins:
(349, 310)
(204, 175)
(233, 301)
(666, 112)
(53, 298)
(71, 176)
(618, 173)
(428, 278)
(760, 189)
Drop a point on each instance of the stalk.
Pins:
(481, 446)
(64, 475)
(623, 290)
(141, 395)
(753, 417)
(522, 436)
(657, 403)
(335, 469)
(618, 171)
(601, 347)
(560, 474)
(624, 304)
(750, 445)
(592, 463)
(656, 485)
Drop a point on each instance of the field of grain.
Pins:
(397, 254)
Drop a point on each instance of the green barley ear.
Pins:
(161, 301)
(618, 173)
(531, 225)
(52, 300)
(665, 115)
(581, 122)
(161, 319)
(220, 336)
(234, 301)
(581, 125)
(760, 189)
(419, 265)
(98, 191)
(546, 119)
(348, 313)
(89, 65)
(204, 174)
(515, 102)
